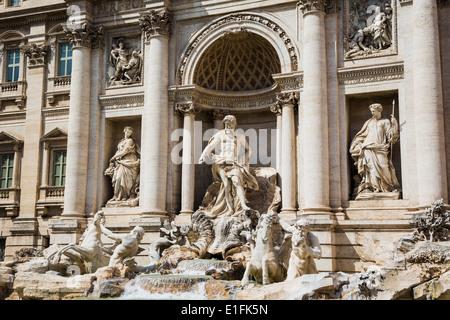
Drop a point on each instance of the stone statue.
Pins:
(356, 43)
(89, 255)
(380, 28)
(230, 170)
(173, 236)
(124, 170)
(264, 264)
(132, 71)
(127, 247)
(127, 65)
(371, 150)
(305, 248)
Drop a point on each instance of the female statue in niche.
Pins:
(124, 170)
(371, 149)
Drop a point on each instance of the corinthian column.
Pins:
(188, 111)
(428, 105)
(82, 37)
(155, 117)
(314, 151)
(288, 102)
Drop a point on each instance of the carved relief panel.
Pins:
(124, 60)
(370, 28)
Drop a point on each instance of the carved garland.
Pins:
(238, 17)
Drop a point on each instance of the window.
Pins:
(65, 59)
(7, 170)
(59, 168)
(14, 3)
(12, 68)
(2, 249)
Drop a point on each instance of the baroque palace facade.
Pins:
(79, 75)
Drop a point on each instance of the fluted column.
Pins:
(155, 117)
(82, 37)
(314, 151)
(428, 105)
(188, 112)
(288, 102)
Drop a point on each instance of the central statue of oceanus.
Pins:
(230, 169)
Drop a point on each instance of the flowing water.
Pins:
(186, 282)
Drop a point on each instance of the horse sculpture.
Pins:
(264, 263)
(90, 253)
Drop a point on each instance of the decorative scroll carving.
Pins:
(84, 35)
(288, 98)
(156, 23)
(307, 6)
(370, 28)
(186, 108)
(36, 53)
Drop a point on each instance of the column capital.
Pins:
(287, 98)
(156, 23)
(186, 109)
(276, 108)
(36, 53)
(310, 6)
(84, 34)
(217, 114)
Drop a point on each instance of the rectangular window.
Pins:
(2, 249)
(6, 170)
(14, 3)
(65, 59)
(59, 168)
(12, 67)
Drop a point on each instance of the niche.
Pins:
(358, 113)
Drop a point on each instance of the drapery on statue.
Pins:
(230, 170)
(305, 248)
(371, 150)
(124, 170)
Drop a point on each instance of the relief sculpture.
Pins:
(127, 64)
(369, 29)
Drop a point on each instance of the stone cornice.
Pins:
(84, 34)
(371, 74)
(156, 23)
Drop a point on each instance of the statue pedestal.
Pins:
(378, 196)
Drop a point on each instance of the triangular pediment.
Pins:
(6, 137)
(55, 134)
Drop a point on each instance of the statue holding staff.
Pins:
(370, 149)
